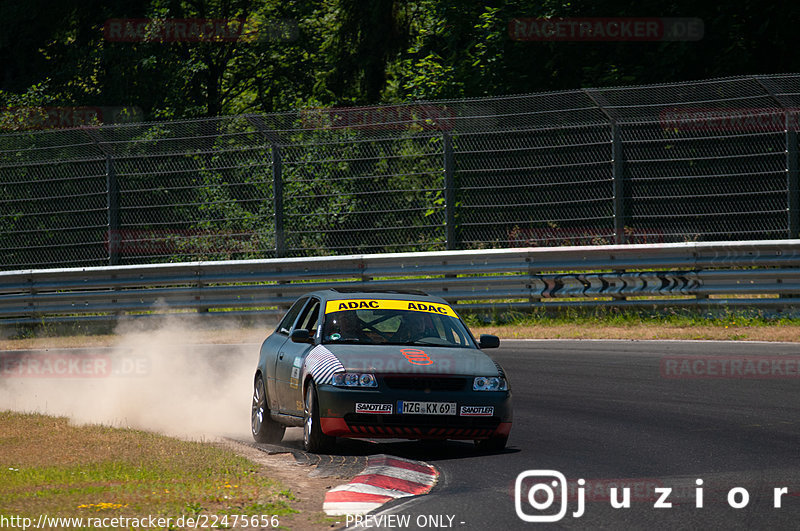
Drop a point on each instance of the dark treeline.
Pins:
(312, 53)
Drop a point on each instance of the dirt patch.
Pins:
(309, 491)
(785, 333)
(207, 337)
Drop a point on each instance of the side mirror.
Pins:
(301, 335)
(488, 341)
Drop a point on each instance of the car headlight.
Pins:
(354, 379)
(489, 383)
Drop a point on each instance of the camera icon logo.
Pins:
(551, 484)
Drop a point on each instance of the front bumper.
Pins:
(338, 416)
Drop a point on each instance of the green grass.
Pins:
(48, 466)
(605, 323)
(616, 317)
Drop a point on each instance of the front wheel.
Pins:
(314, 440)
(265, 430)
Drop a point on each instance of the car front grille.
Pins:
(424, 383)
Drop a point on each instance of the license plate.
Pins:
(426, 408)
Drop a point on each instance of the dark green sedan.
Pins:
(378, 365)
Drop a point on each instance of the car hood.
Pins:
(419, 359)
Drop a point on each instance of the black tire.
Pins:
(314, 440)
(263, 427)
(495, 444)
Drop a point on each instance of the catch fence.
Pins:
(697, 161)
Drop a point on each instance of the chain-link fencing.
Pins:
(698, 161)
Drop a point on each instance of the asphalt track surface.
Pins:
(606, 412)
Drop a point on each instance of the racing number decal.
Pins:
(416, 356)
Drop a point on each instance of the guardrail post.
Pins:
(277, 201)
(449, 193)
(792, 179)
(618, 175)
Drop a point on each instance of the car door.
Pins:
(291, 357)
(272, 346)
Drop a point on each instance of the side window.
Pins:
(446, 330)
(310, 317)
(442, 331)
(291, 315)
(459, 337)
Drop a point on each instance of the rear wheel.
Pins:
(495, 444)
(265, 430)
(314, 440)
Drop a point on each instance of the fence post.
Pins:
(617, 168)
(277, 201)
(449, 193)
(618, 175)
(113, 236)
(792, 179)
(277, 180)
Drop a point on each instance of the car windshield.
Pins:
(394, 327)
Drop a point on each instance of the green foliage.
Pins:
(347, 52)
(310, 54)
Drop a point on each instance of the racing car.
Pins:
(365, 364)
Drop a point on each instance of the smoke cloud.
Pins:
(152, 379)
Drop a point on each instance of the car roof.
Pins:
(360, 293)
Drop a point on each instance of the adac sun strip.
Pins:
(384, 304)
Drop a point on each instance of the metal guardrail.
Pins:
(759, 273)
